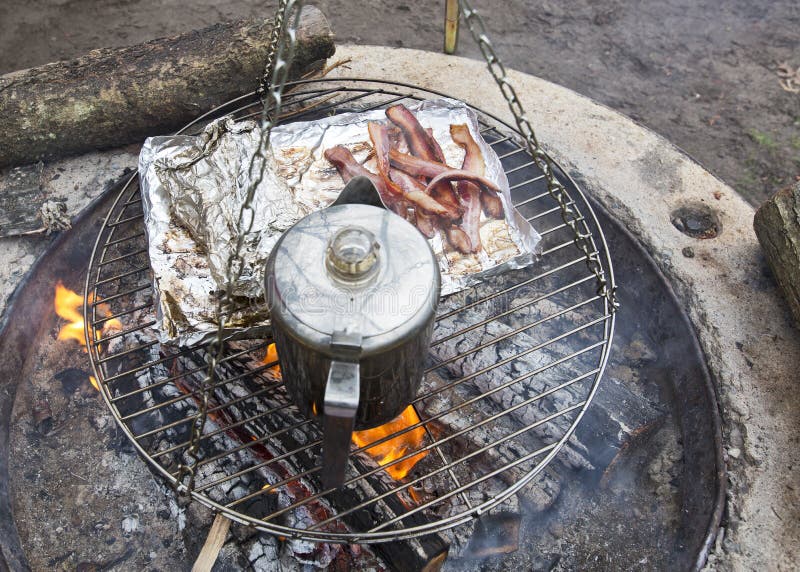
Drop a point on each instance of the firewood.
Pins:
(111, 97)
(426, 553)
(777, 226)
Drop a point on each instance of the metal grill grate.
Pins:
(514, 364)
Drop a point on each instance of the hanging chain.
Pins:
(274, 38)
(283, 40)
(570, 217)
(281, 52)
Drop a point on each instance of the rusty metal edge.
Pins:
(25, 301)
(709, 383)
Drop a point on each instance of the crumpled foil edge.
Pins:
(172, 322)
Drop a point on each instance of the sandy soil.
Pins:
(703, 73)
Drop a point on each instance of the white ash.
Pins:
(54, 216)
(130, 524)
(503, 343)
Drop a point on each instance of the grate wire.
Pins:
(550, 311)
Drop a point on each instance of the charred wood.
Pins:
(267, 414)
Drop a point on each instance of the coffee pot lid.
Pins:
(353, 268)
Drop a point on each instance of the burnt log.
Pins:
(111, 97)
(266, 414)
(777, 226)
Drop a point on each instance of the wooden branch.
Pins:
(216, 538)
(112, 97)
(777, 226)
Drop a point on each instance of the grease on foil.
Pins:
(193, 188)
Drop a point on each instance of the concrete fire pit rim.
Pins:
(734, 307)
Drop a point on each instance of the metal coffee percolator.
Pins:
(352, 291)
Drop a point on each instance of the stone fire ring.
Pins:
(651, 188)
(742, 323)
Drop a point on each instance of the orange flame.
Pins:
(67, 304)
(387, 451)
(270, 357)
(396, 447)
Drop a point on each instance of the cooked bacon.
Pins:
(438, 154)
(424, 146)
(473, 158)
(348, 167)
(418, 140)
(492, 205)
(458, 239)
(460, 175)
(469, 193)
(415, 194)
(425, 223)
(416, 166)
(379, 135)
(438, 172)
(390, 193)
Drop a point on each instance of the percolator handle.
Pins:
(341, 403)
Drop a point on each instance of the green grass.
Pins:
(764, 140)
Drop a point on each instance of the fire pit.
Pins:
(642, 480)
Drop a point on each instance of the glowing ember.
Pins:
(415, 495)
(271, 357)
(396, 447)
(68, 305)
(94, 383)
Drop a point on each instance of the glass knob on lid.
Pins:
(352, 254)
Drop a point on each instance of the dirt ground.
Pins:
(703, 73)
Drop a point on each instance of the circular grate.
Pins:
(514, 363)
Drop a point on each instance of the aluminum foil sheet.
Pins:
(193, 188)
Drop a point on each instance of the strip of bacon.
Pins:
(379, 135)
(460, 175)
(416, 166)
(341, 158)
(381, 143)
(458, 239)
(457, 236)
(473, 158)
(438, 154)
(425, 222)
(424, 146)
(469, 194)
(418, 140)
(438, 172)
(348, 167)
(492, 205)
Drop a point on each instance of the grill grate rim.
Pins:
(123, 230)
